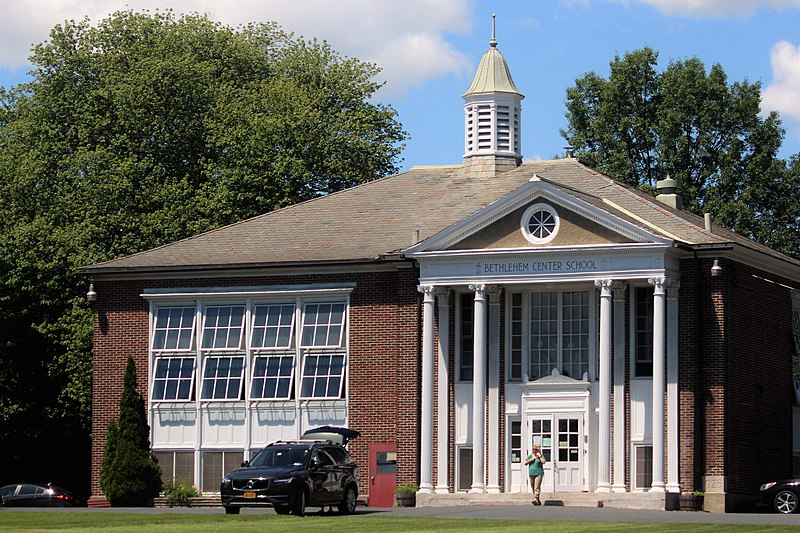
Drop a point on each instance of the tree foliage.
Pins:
(140, 130)
(640, 126)
(129, 475)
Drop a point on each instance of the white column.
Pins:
(479, 391)
(659, 390)
(443, 385)
(673, 418)
(426, 414)
(493, 416)
(618, 484)
(604, 424)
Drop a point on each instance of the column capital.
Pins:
(479, 289)
(619, 289)
(494, 292)
(672, 288)
(441, 291)
(427, 290)
(659, 284)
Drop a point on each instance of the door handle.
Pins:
(372, 479)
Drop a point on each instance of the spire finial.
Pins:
(493, 42)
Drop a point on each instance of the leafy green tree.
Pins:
(129, 475)
(641, 125)
(137, 131)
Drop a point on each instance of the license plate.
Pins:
(250, 495)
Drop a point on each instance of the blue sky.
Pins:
(429, 50)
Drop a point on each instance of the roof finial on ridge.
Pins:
(493, 42)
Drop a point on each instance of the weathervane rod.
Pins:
(493, 42)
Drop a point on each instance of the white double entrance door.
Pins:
(561, 436)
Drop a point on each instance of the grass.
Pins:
(31, 522)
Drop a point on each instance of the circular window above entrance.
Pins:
(540, 223)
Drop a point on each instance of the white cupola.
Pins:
(492, 111)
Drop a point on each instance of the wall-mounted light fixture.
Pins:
(91, 295)
(716, 270)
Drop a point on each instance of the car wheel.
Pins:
(299, 504)
(348, 505)
(786, 502)
(283, 509)
(232, 510)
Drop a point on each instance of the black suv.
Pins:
(316, 471)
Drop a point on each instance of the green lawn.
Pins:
(187, 523)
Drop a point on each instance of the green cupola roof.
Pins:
(493, 75)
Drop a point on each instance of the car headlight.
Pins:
(282, 481)
(226, 481)
(766, 486)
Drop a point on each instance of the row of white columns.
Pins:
(608, 339)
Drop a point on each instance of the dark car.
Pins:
(28, 495)
(316, 471)
(783, 496)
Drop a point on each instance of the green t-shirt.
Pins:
(535, 468)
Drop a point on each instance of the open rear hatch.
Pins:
(334, 434)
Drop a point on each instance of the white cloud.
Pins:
(406, 38)
(783, 94)
(716, 8)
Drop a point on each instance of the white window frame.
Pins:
(525, 223)
(315, 378)
(216, 378)
(637, 447)
(168, 360)
(460, 334)
(279, 378)
(170, 327)
(317, 327)
(634, 330)
(229, 330)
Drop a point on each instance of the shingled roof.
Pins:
(376, 221)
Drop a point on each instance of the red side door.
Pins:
(382, 474)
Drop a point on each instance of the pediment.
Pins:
(579, 222)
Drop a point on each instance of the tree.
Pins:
(138, 131)
(129, 475)
(640, 126)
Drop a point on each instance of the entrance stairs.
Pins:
(614, 500)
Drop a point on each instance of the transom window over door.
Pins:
(559, 333)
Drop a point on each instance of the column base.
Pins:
(603, 487)
(478, 489)
(441, 489)
(425, 488)
(658, 486)
(673, 487)
(619, 488)
(493, 489)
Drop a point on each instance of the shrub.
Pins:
(410, 488)
(177, 493)
(129, 475)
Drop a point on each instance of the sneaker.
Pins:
(537, 502)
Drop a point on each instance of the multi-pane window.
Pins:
(272, 326)
(466, 342)
(643, 302)
(176, 466)
(272, 377)
(464, 469)
(223, 328)
(323, 325)
(173, 329)
(644, 467)
(173, 378)
(217, 464)
(515, 320)
(559, 334)
(323, 376)
(222, 378)
(516, 441)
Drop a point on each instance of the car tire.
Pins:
(786, 502)
(283, 509)
(299, 504)
(232, 510)
(348, 505)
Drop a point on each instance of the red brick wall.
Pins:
(384, 348)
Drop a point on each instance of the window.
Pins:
(176, 466)
(173, 329)
(216, 465)
(515, 319)
(464, 469)
(466, 343)
(222, 378)
(643, 313)
(272, 326)
(559, 334)
(272, 377)
(542, 435)
(223, 328)
(173, 378)
(540, 224)
(644, 467)
(323, 325)
(516, 441)
(323, 375)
